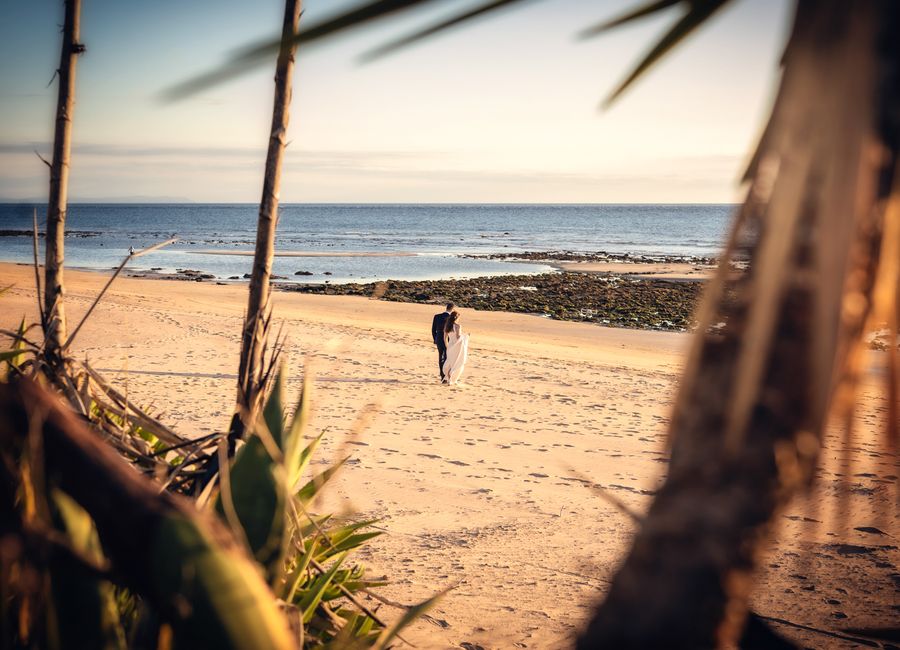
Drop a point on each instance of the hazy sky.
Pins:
(504, 110)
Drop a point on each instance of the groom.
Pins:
(437, 333)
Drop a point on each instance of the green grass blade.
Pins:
(273, 411)
(9, 355)
(296, 456)
(411, 614)
(308, 492)
(259, 495)
(230, 606)
(313, 597)
(293, 582)
(354, 541)
(340, 534)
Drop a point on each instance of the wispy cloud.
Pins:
(206, 173)
(330, 157)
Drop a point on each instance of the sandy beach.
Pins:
(481, 487)
(672, 271)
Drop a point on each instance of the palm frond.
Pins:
(640, 12)
(249, 57)
(245, 59)
(699, 11)
(477, 12)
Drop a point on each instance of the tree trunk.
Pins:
(55, 332)
(748, 422)
(256, 321)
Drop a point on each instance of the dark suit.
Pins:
(437, 333)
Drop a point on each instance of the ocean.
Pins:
(334, 242)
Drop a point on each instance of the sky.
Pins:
(505, 110)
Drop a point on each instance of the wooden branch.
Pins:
(115, 274)
(146, 421)
(255, 331)
(43, 160)
(55, 326)
(37, 272)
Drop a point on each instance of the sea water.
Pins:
(335, 242)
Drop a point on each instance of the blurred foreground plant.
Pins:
(94, 555)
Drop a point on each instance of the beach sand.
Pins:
(659, 270)
(479, 486)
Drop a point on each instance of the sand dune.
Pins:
(481, 486)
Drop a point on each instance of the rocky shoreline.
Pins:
(599, 256)
(612, 300)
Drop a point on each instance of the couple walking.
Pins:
(452, 344)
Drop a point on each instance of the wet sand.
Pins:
(311, 253)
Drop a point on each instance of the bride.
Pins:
(457, 349)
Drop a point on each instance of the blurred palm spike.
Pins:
(250, 56)
(247, 58)
(477, 12)
(698, 11)
(641, 12)
(303, 459)
(296, 456)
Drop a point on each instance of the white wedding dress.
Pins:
(457, 353)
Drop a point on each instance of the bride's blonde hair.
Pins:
(451, 321)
